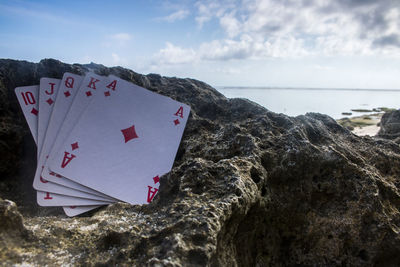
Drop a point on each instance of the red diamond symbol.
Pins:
(176, 122)
(74, 146)
(67, 93)
(88, 93)
(50, 101)
(107, 93)
(34, 111)
(156, 179)
(129, 133)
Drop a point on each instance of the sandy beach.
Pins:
(363, 125)
(370, 130)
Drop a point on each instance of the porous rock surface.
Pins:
(390, 126)
(249, 187)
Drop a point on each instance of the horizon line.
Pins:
(307, 88)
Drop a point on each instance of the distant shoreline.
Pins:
(304, 88)
(333, 102)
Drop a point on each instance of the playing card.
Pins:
(63, 190)
(40, 183)
(48, 90)
(50, 199)
(68, 88)
(28, 100)
(72, 211)
(82, 99)
(123, 142)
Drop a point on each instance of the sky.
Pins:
(276, 43)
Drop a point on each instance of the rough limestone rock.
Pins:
(249, 187)
(390, 126)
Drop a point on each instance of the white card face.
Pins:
(28, 100)
(73, 185)
(62, 190)
(84, 95)
(40, 183)
(124, 141)
(82, 99)
(72, 211)
(49, 200)
(68, 88)
(47, 96)
(27, 97)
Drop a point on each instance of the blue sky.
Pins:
(296, 43)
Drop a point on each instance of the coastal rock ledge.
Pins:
(249, 187)
(390, 126)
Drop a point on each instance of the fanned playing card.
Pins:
(47, 199)
(40, 183)
(68, 89)
(76, 210)
(28, 100)
(100, 139)
(48, 90)
(84, 95)
(123, 142)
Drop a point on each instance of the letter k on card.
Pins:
(125, 138)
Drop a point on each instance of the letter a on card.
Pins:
(151, 193)
(67, 159)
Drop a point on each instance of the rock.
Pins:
(249, 187)
(11, 219)
(346, 123)
(390, 126)
(13, 233)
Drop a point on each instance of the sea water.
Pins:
(298, 101)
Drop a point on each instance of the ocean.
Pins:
(298, 101)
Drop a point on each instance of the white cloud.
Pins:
(260, 29)
(172, 54)
(228, 49)
(204, 13)
(208, 9)
(177, 15)
(230, 24)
